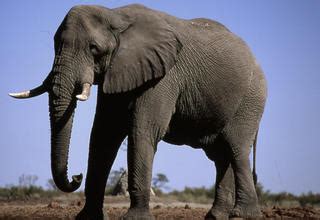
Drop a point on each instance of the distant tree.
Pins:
(263, 195)
(51, 185)
(121, 187)
(27, 180)
(159, 181)
(114, 177)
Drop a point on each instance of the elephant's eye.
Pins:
(94, 49)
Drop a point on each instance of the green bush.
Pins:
(194, 194)
(17, 192)
(269, 199)
(309, 199)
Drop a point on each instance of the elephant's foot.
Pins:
(215, 214)
(221, 207)
(246, 212)
(85, 214)
(220, 211)
(137, 214)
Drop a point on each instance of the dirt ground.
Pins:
(66, 208)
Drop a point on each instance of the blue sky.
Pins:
(283, 35)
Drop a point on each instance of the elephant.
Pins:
(186, 82)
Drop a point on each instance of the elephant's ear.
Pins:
(147, 50)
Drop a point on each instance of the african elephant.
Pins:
(159, 77)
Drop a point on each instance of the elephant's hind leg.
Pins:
(239, 134)
(224, 187)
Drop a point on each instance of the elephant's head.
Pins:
(117, 49)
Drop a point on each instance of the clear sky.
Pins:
(283, 35)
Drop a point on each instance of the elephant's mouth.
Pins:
(98, 75)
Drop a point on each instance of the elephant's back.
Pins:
(206, 24)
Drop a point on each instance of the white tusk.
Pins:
(20, 95)
(30, 93)
(85, 92)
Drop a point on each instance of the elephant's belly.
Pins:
(195, 133)
(199, 117)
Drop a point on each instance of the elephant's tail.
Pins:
(254, 173)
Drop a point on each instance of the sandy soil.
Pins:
(66, 208)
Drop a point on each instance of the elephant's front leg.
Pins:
(150, 118)
(141, 150)
(104, 145)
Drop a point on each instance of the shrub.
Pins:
(194, 194)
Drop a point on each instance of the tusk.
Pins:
(30, 93)
(85, 92)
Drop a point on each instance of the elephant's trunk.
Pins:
(62, 104)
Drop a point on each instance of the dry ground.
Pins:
(67, 208)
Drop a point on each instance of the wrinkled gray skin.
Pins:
(187, 82)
